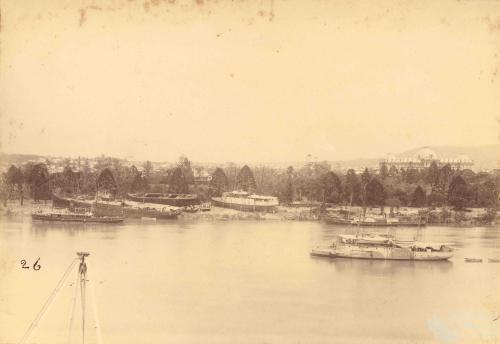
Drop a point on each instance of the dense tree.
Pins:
(178, 183)
(70, 180)
(185, 165)
(87, 179)
(436, 198)
(432, 175)
(245, 180)
(331, 188)
(375, 193)
(486, 194)
(218, 183)
(266, 180)
(458, 193)
(418, 197)
(365, 177)
(393, 171)
(14, 181)
(352, 188)
(307, 180)
(445, 175)
(393, 202)
(106, 182)
(148, 168)
(411, 176)
(288, 193)
(383, 171)
(139, 184)
(40, 183)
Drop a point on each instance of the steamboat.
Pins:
(383, 247)
(65, 215)
(244, 201)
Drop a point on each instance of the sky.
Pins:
(243, 81)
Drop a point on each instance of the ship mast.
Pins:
(82, 280)
(82, 274)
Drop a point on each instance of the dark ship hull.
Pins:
(218, 202)
(176, 200)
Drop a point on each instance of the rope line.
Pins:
(96, 315)
(73, 307)
(47, 303)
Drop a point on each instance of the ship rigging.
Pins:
(81, 286)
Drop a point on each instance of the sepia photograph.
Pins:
(249, 171)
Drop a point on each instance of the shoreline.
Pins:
(284, 213)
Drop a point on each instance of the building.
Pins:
(423, 158)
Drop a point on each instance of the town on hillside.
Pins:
(447, 188)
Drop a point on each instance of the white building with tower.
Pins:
(423, 158)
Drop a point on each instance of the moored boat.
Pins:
(129, 209)
(374, 221)
(494, 260)
(244, 201)
(207, 206)
(410, 221)
(64, 215)
(384, 248)
(190, 209)
(473, 260)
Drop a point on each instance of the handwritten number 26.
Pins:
(36, 266)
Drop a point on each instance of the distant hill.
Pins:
(485, 157)
(19, 159)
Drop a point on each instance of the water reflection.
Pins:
(42, 228)
(384, 267)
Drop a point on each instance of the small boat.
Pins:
(63, 215)
(473, 260)
(411, 221)
(190, 209)
(205, 206)
(494, 260)
(338, 217)
(321, 252)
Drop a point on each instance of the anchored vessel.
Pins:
(384, 248)
(129, 209)
(242, 200)
(343, 217)
(65, 215)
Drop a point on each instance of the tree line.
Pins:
(313, 182)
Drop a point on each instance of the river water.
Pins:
(242, 282)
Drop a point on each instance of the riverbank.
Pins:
(14, 208)
(283, 213)
(436, 217)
